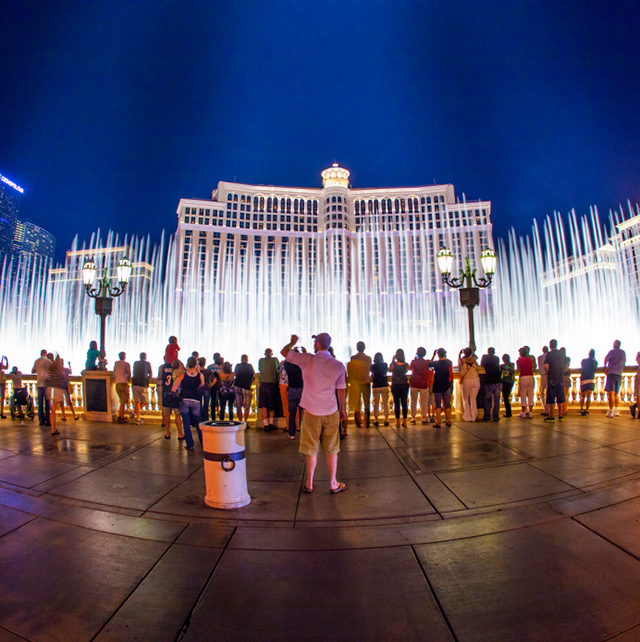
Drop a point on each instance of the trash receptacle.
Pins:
(225, 469)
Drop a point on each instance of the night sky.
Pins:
(111, 112)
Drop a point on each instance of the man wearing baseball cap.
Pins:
(322, 376)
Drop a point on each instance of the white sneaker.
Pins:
(530, 415)
(615, 412)
(610, 414)
(522, 415)
(139, 421)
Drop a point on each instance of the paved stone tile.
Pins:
(25, 441)
(591, 500)
(6, 453)
(500, 484)
(430, 437)
(71, 580)
(131, 434)
(442, 499)
(551, 582)
(79, 451)
(270, 501)
(359, 439)
(632, 635)
(618, 523)
(65, 478)
(157, 609)
(377, 595)
(11, 519)
(208, 535)
(547, 444)
(632, 447)
(588, 468)
(360, 464)
(100, 520)
(26, 471)
(463, 454)
(364, 499)
(504, 428)
(158, 441)
(277, 441)
(179, 463)
(287, 466)
(605, 434)
(7, 636)
(119, 488)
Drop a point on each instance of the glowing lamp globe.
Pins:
(445, 261)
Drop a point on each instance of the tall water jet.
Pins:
(570, 280)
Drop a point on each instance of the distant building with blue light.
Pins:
(29, 247)
(10, 197)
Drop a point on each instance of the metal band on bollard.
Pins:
(225, 458)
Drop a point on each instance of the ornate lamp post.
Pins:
(469, 295)
(104, 293)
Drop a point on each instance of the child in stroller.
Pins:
(21, 401)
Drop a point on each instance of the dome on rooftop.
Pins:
(335, 176)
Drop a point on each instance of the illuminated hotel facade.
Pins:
(331, 240)
(10, 197)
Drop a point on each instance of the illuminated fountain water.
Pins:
(565, 282)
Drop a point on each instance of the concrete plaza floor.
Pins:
(512, 530)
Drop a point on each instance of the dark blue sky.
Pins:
(111, 112)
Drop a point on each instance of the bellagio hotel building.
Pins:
(336, 240)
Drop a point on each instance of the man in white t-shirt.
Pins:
(41, 370)
(122, 370)
(323, 400)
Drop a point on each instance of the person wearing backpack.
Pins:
(226, 393)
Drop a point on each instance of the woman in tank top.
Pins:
(400, 386)
(189, 381)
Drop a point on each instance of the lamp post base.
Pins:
(104, 305)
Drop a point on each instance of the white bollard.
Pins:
(225, 467)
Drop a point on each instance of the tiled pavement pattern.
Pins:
(513, 530)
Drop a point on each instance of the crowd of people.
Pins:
(484, 384)
(194, 391)
(310, 389)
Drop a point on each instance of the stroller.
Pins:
(21, 405)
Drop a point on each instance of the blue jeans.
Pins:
(295, 394)
(213, 401)
(225, 400)
(190, 413)
(43, 406)
(204, 413)
(492, 391)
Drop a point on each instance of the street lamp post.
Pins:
(104, 293)
(470, 293)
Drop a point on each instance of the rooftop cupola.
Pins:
(335, 176)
